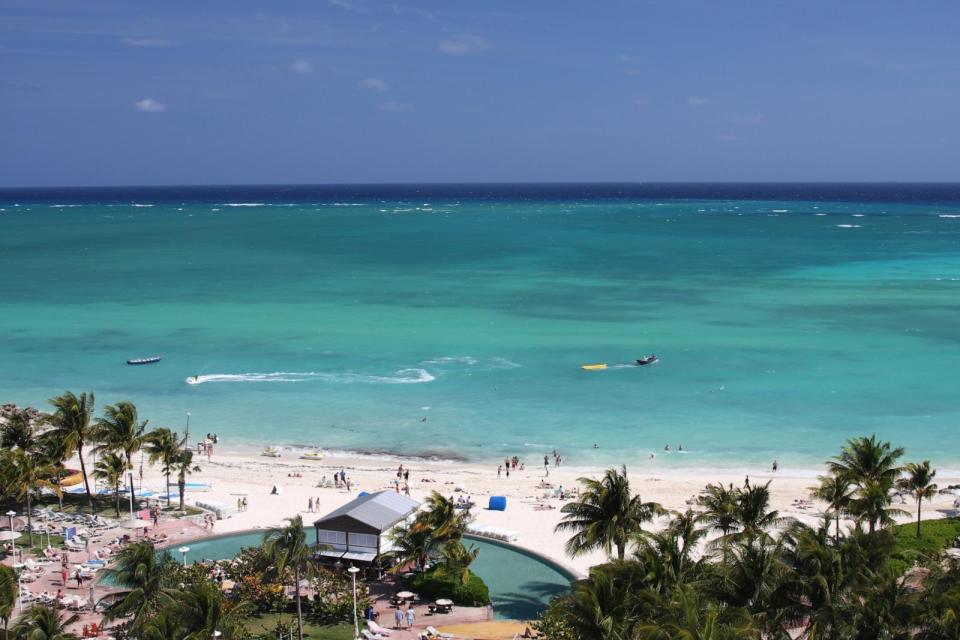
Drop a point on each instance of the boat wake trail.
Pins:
(402, 376)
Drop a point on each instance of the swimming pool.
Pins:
(520, 584)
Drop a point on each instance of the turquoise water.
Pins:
(783, 326)
(520, 585)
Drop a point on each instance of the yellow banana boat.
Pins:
(594, 367)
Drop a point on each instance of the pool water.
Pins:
(520, 584)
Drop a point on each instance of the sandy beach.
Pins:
(529, 514)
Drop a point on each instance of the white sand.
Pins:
(233, 475)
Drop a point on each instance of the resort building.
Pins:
(359, 531)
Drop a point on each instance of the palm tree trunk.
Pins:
(116, 495)
(620, 550)
(130, 466)
(296, 576)
(168, 490)
(919, 502)
(181, 485)
(836, 535)
(29, 521)
(83, 472)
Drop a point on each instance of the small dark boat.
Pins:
(149, 360)
(646, 360)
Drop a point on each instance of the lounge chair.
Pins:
(371, 636)
(375, 628)
(436, 634)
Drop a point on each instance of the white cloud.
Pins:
(301, 66)
(696, 101)
(373, 84)
(146, 42)
(149, 105)
(727, 137)
(396, 106)
(743, 118)
(463, 45)
(347, 5)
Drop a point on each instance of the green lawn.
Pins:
(935, 536)
(266, 626)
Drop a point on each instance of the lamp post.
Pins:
(183, 552)
(13, 540)
(20, 589)
(356, 626)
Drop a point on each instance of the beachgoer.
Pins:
(400, 471)
(406, 489)
(310, 504)
(666, 447)
(546, 466)
(595, 446)
(244, 503)
(499, 470)
(746, 482)
(79, 578)
(410, 617)
(64, 574)
(398, 616)
(680, 447)
(406, 475)
(775, 466)
(508, 471)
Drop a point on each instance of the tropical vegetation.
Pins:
(735, 568)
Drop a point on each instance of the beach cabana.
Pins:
(359, 531)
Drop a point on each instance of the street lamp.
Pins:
(10, 515)
(183, 552)
(356, 626)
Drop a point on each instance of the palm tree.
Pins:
(120, 431)
(163, 446)
(27, 476)
(719, 504)
(864, 459)
(42, 622)
(139, 572)
(71, 427)
(458, 558)
(193, 612)
(668, 554)
(752, 510)
(183, 464)
(689, 618)
(442, 518)
(836, 492)
(411, 543)
(18, 433)
(8, 596)
(287, 549)
(606, 516)
(871, 504)
(111, 469)
(918, 483)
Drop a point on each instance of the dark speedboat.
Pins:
(646, 360)
(149, 360)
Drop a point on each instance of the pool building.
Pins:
(359, 531)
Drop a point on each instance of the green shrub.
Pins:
(440, 583)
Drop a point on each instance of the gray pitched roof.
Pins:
(380, 510)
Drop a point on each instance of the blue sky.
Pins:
(324, 91)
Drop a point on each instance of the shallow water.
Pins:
(453, 321)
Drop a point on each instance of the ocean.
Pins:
(452, 320)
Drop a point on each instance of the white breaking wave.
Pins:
(402, 376)
(243, 204)
(64, 206)
(140, 205)
(849, 226)
(452, 360)
(779, 210)
(949, 215)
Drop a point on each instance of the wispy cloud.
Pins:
(696, 101)
(464, 45)
(147, 42)
(743, 118)
(149, 105)
(301, 66)
(399, 9)
(348, 5)
(727, 137)
(373, 84)
(396, 106)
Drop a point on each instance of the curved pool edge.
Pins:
(568, 572)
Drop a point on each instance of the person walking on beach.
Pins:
(64, 574)
(406, 475)
(310, 504)
(546, 466)
(775, 466)
(244, 503)
(398, 617)
(410, 617)
(79, 578)
(499, 470)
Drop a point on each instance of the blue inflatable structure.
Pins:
(497, 503)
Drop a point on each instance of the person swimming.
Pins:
(666, 447)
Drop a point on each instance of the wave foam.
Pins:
(849, 226)
(948, 215)
(243, 204)
(402, 376)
